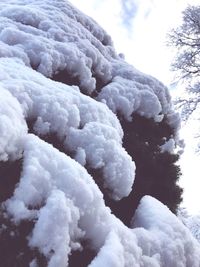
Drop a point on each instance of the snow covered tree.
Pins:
(190, 221)
(193, 223)
(143, 140)
(85, 139)
(186, 39)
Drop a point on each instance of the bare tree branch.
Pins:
(186, 39)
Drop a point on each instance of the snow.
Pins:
(38, 39)
(12, 127)
(68, 206)
(49, 235)
(165, 231)
(168, 146)
(42, 172)
(103, 152)
(111, 254)
(56, 37)
(86, 124)
(191, 221)
(33, 263)
(48, 37)
(118, 97)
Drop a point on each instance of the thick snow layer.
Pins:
(57, 225)
(38, 39)
(82, 123)
(164, 230)
(12, 127)
(118, 97)
(53, 36)
(132, 91)
(43, 97)
(68, 206)
(103, 152)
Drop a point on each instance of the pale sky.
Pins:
(138, 29)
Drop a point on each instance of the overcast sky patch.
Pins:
(129, 11)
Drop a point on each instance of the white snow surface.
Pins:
(168, 146)
(191, 221)
(12, 127)
(78, 120)
(72, 207)
(38, 39)
(51, 36)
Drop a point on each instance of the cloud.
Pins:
(129, 11)
(138, 29)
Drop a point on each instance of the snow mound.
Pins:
(164, 233)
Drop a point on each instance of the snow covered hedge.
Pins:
(70, 108)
